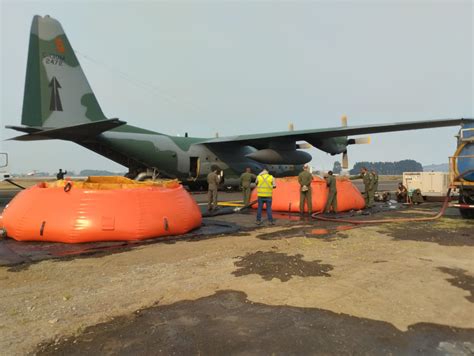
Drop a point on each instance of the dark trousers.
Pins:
(268, 204)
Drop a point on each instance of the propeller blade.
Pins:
(362, 140)
(304, 146)
(345, 160)
(291, 127)
(344, 121)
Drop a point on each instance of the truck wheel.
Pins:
(466, 213)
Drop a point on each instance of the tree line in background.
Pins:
(384, 168)
(70, 173)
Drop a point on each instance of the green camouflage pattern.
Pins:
(51, 60)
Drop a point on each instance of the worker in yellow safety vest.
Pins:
(265, 185)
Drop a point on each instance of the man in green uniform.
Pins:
(213, 180)
(332, 195)
(304, 179)
(245, 180)
(368, 186)
(375, 177)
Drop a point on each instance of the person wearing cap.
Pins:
(265, 185)
(304, 179)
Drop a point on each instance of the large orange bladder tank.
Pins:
(100, 209)
(286, 197)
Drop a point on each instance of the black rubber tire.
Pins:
(3, 234)
(466, 213)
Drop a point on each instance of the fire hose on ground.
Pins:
(382, 221)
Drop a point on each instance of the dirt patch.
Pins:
(271, 265)
(444, 232)
(229, 323)
(461, 280)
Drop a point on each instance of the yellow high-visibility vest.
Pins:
(264, 185)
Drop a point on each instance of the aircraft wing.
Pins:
(262, 140)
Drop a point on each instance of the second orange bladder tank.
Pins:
(286, 197)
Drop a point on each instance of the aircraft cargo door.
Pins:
(194, 167)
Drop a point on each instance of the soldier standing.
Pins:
(213, 180)
(332, 195)
(245, 180)
(61, 174)
(375, 177)
(368, 186)
(304, 179)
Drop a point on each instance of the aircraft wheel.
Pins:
(3, 234)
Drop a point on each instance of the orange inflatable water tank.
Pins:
(286, 197)
(100, 209)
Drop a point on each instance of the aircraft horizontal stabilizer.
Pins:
(23, 129)
(76, 133)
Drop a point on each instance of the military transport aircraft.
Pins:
(59, 104)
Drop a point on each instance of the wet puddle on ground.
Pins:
(279, 265)
(19, 255)
(228, 323)
(461, 279)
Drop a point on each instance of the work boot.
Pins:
(258, 222)
(272, 222)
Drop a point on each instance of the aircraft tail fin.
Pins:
(57, 93)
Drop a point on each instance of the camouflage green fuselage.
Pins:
(173, 157)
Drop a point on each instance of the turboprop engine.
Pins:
(273, 156)
(337, 145)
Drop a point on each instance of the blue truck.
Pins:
(462, 171)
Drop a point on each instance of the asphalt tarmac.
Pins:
(16, 253)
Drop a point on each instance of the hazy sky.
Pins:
(254, 66)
